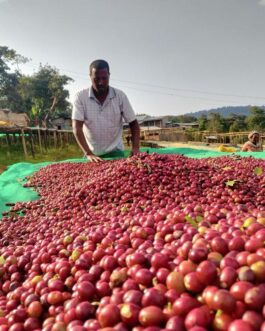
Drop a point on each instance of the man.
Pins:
(98, 115)
(253, 144)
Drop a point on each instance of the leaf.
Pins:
(148, 168)
(191, 221)
(2, 260)
(169, 305)
(199, 218)
(124, 209)
(258, 171)
(219, 313)
(155, 281)
(230, 183)
(227, 168)
(75, 255)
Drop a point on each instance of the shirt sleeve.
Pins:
(127, 111)
(78, 112)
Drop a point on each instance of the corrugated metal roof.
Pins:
(140, 118)
(185, 124)
(150, 128)
(147, 118)
(153, 118)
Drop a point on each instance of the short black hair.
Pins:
(98, 64)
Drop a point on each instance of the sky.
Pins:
(169, 56)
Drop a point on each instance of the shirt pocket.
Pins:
(88, 121)
(91, 117)
(114, 115)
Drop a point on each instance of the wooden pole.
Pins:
(48, 138)
(55, 138)
(45, 139)
(39, 138)
(8, 144)
(31, 144)
(8, 140)
(60, 137)
(14, 138)
(24, 143)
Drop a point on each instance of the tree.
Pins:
(203, 123)
(216, 123)
(237, 123)
(42, 95)
(9, 96)
(256, 119)
(182, 119)
(46, 94)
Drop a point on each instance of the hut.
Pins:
(62, 123)
(13, 124)
(9, 119)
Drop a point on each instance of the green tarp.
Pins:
(11, 180)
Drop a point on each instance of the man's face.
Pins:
(255, 138)
(100, 80)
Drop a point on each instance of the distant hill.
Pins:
(224, 111)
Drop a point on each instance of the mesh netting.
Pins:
(11, 181)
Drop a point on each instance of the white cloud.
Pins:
(262, 2)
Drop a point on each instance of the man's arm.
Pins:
(245, 148)
(135, 131)
(81, 140)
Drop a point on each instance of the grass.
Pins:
(15, 154)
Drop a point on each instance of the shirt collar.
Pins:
(110, 95)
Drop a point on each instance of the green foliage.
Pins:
(46, 93)
(182, 119)
(256, 120)
(42, 95)
(203, 123)
(9, 96)
(14, 154)
(238, 125)
(216, 123)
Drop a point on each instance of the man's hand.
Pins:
(94, 158)
(80, 138)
